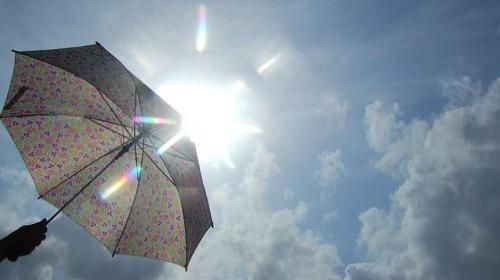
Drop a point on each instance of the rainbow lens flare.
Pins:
(266, 65)
(171, 142)
(153, 120)
(201, 39)
(123, 180)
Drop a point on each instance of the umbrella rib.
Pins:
(86, 166)
(61, 115)
(167, 152)
(124, 150)
(133, 201)
(81, 169)
(144, 151)
(159, 168)
(173, 148)
(113, 111)
(16, 97)
(70, 71)
(135, 114)
(110, 129)
(162, 160)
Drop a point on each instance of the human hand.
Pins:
(23, 241)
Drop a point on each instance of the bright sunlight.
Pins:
(211, 115)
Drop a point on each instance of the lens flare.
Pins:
(153, 120)
(266, 65)
(171, 142)
(201, 40)
(123, 180)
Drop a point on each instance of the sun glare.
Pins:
(211, 116)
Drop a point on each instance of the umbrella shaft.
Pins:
(124, 150)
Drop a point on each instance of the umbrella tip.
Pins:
(97, 43)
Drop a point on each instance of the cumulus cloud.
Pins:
(393, 139)
(443, 222)
(461, 91)
(331, 167)
(382, 125)
(39, 265)
(253, 241)
(18, 203)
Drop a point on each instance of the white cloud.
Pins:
(395, 140)
(331, 167)
(18, 193)
(39, 265)
(461, 92)
(253, 241)
(382, 126)
(442, 222)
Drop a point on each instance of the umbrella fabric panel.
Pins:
(156, 225)
(197, 218)
(98, 67)
(55, 147)
(158, 161)
(186, 148)
(38, 88)
(101, 214)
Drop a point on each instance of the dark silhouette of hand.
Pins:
(23, 241)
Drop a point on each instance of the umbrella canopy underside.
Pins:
(70, 112)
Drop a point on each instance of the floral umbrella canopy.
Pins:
(105, 150)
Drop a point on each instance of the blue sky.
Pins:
(378, 153)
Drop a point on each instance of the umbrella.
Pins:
(108, 152)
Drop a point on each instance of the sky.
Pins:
(379, 150)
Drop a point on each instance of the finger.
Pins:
(24, 249)
(39, 224)
(43, 223)
(12, 258)
(27, 251)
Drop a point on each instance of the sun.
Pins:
(211, 115)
